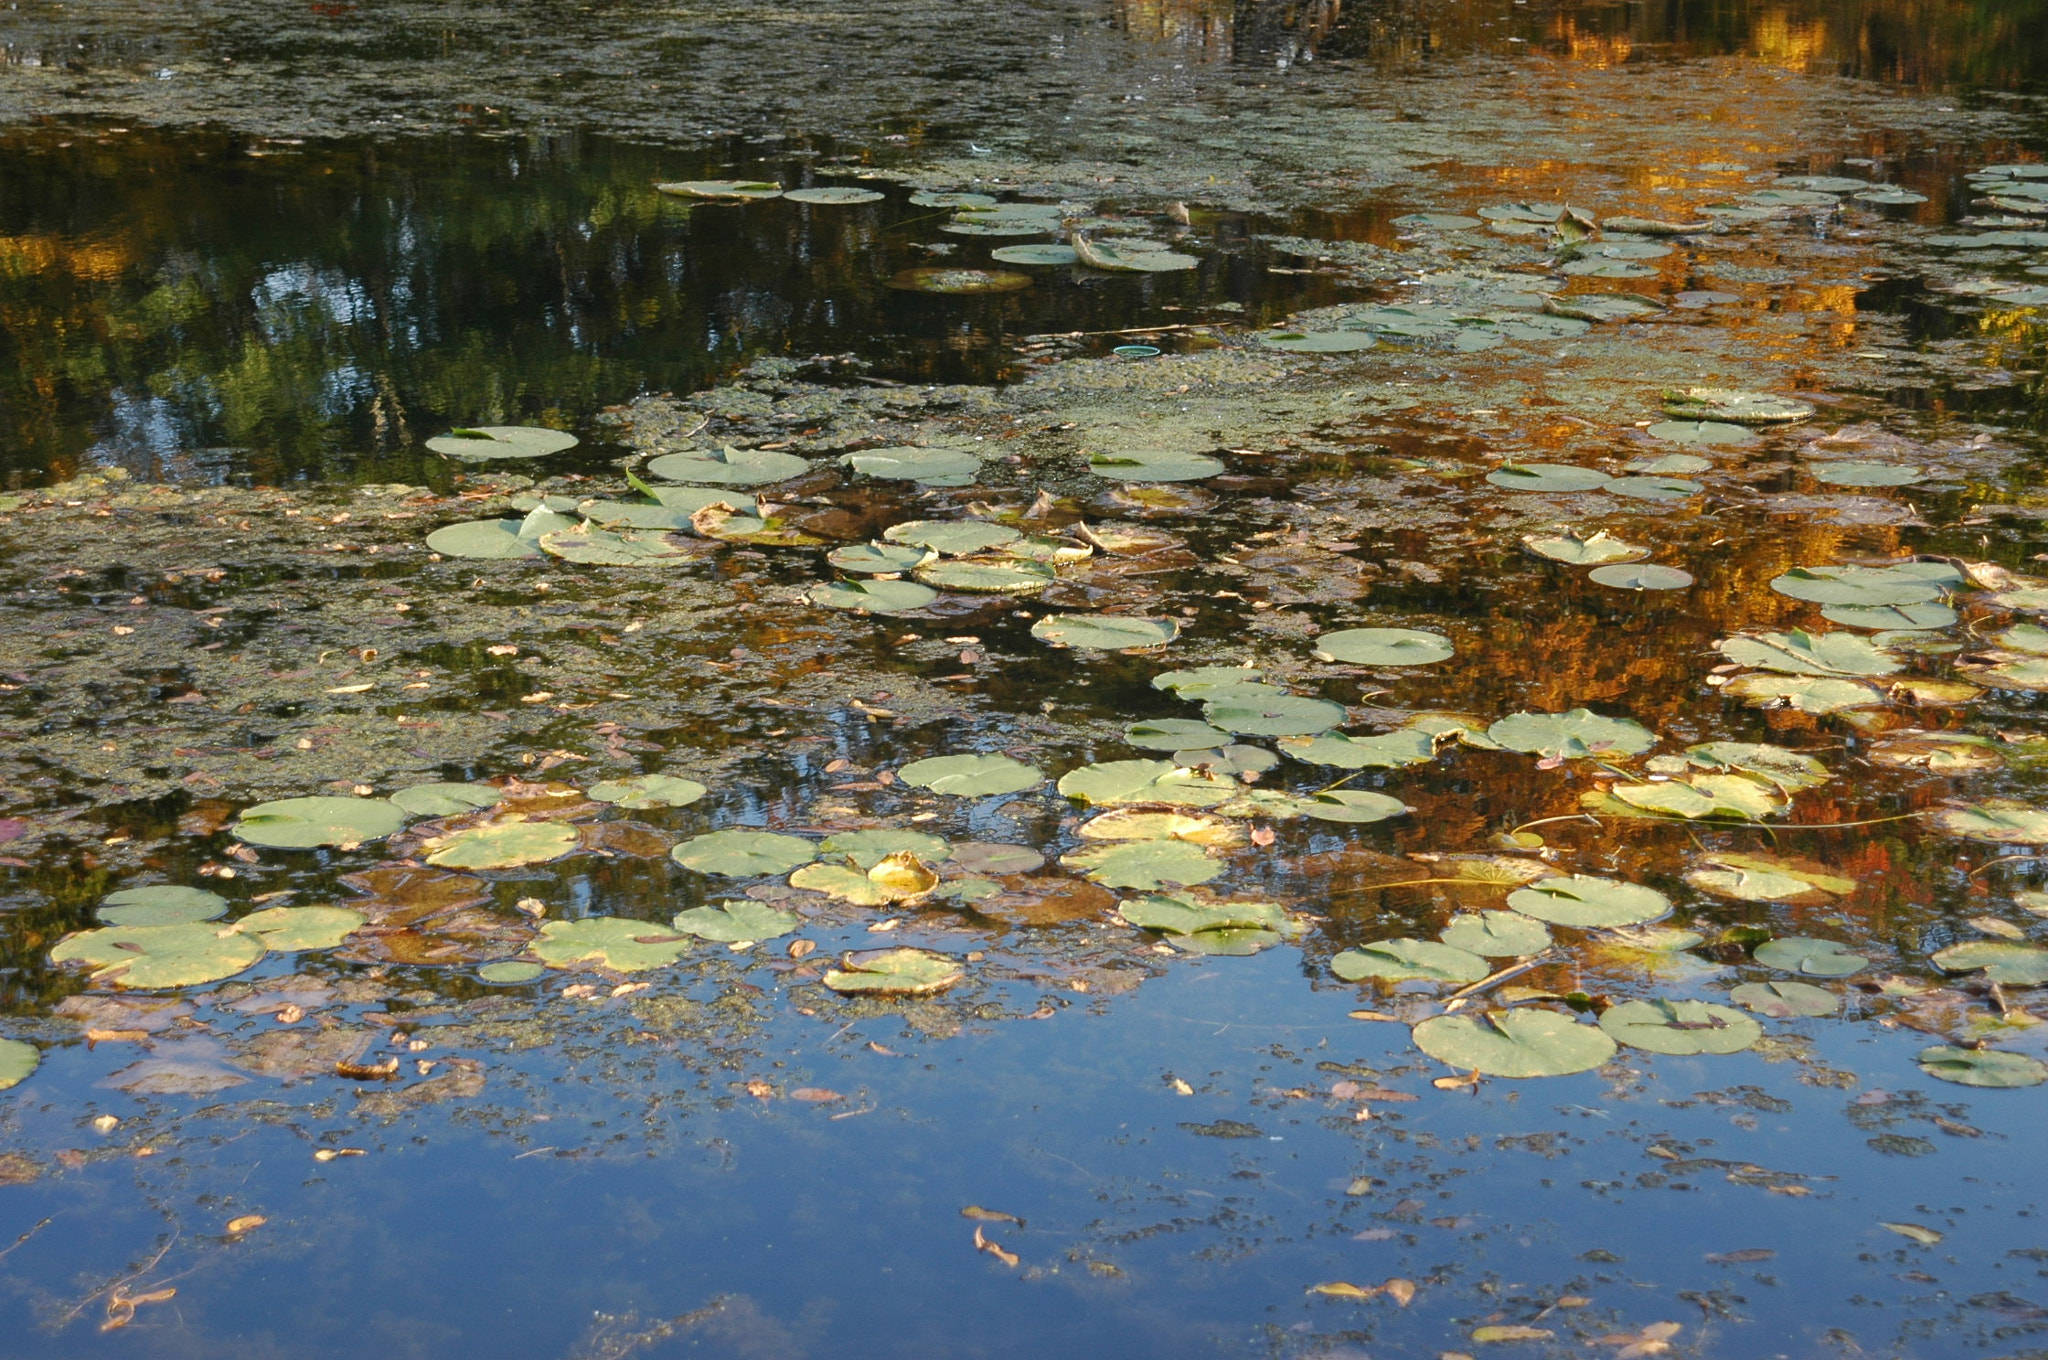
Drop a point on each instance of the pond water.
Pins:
(1446, 762)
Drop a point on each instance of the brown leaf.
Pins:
(115, 1036)
(816, 1095)
(1341, 1289)
(995, 1249)
(246, 1223)
(383, 1071)
(975, 1211)
(1746, 1254)
(1400, 1291)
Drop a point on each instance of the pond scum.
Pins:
(1334, 827)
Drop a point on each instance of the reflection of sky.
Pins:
(141, 433)
(284, 295)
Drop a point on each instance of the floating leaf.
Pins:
(649, 791)
(1496, 934)
(903, 876)
(1806, 693)
(880, 559)
(285, 929)
(1385, 751)
(502, 845)
(1046, 254)
(1701, 432)
(971, 776)
(1548, 477)
(605, 548)
(1384, 647)
(1144, 781)
(1277, 715)
(729, 466)
(162, 905)
(932, 467)
(1588, 903)
(1103, 255)
(841, 881)
(1815, 958)
(736, 189)
(1202, 926)
(1733, 407)
(1680, 1028)
(17, 1061)
(1786, 1000)
(1943, 753)
(1583, 550)
(1174, 734)
(1891, 618)
(1701, 796)
(1318, 342)
(1145, 864)
(874, 597)
(1578, 733)
(151, 957)
(1652, 488)
(487, 442)
(1641, 576)
(2014, 965)
(735, 922)
(1198, 682)
(841, 195)
(1789, 770)
(1758, 878)
(910, 972)
(737, 853)
(931, 198)
(1978, 1067)
(483, 539)
(1999, 820)
(302, 823)
(1153, 465)
(446, 800)
(1903, 584)
(1405, 960)
(1802, 653)
(869, 848)
(1337, 805)
(1129, 824)
(990, 576)
(622, 946)
(1514, 1043)
(1865, 474)
(1104, 632)
(507, 972)
(940, 279)
(952, 538)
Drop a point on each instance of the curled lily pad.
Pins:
(502, 845)
(302, 823)
(1551, 477)
(837, 195)
(869, 848)
(18, 1061)
(486, 442)
(285, 929)
(622, 946)
(1385, 751)
(446, 800)
(1275, 715)
(1815, 958)
(895, 972)
(1579, 733)
(989, 576)
(733, 189)
(1981, 1067)
(1406, 960)
(151, 957)
(735, 922)
(1786, 1000)
(1761, 878)
(1583, 550)
(1999, 820)
(1588, 903)
(841, 881)
(1105, 632)
(2015, 965)
(952, 538)
(1514, 1043)
(971, 776)
(1733, 407)
(880, 559)
(1790, 770)
(939, 279)
(1802, 653)
(163, 905)
(1680, 1028)
(1640, 576)
(1700, 796)
(875, 597)
(1145, 864)
(728, 466)
(1384, 647)
(738, 853)
(1144, 781)
(1496, 934)
(649, 791)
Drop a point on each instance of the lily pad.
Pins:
(875, 597)
(1130, 824)
(1202, 926)
(1318, 342)
(1384, 751)
(1145, 864)
(1405, 960)
(932, 467)
(1701, 432)
(285, 929)
(1762, 878)
(649, 791)
(736, 922)
(1786, 1000)
(484, 540)
(1943, 753)
(738, 853)
(484, 443)
(1043, 254)
(1866, 474)
(1583, 550)
(1680, 1028)
(1548, 477)
(446, 800)
(1701, 796)
(151, 957)
(1579, 733)
(1891, 618)
(940, 279)
(1278, 715)
(1802, 653)
(1200, 681)
(1384, 647)
(509, 972)
(1999, 820)
(1121, 260)
(1174, 734)
(1981, 1067)
(880, 559)
(895, 972)
(843, 195)
(932, 198)
(303, 823)
(1153, 465)
(1514, 1043)
(952, 538)
(596, 547)
(971, 776)
(841, 881)
(1815, 958)
(2014, 965)
(1805, 693)
(1104, 632)
(1584, 902)
(17, 1062)
(1111, 782)
(1733, 407)
(1653, 488)
(1496, 934)
(735, 189)
(163, 905)
(1903, 584)
(502, 845)
(1640, 576)
(729, 466)
(989, 576)
(622, 946)
(869, 848)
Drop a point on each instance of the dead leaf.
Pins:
(975, 1211)
(995, 1249)
(1400, 1291)
(1456, 1083)
(1926, 1237)
(816, 1095)
(1511, 1332)
(383, 1071)
(329, 1154)
(246, 1223)
(121, 1306)
(115, 1036)
(1742, 1257)
(1341, 1289)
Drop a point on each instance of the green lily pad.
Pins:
(1981, 1067)
(1789, 770)
(1652, 488)
(875, 597)
(1701, 796)
(503, 845)
(989, 576)
(484, 540)
(1514, 1043)
(1202, 926)
(1999, 820)
(932, 467)
(1318, 342)
(1405, 960)
(895, 972)
(1496, 934)
(842, 195)
(1153, 465)
(17, 1062)
(1680, 1028)
(729, 466)
(1112, 782)
(644, 515)
(1904, 584)
(1384, 751)
(1891, 618)
(1701, 432)
(1145, 864)
(1043, 254)
(932, 198)
(1104, 632)
(1786, 1000)
(596, 547)
(1276, 715)
(1602, 306)
(869, 848)
(1122, 260)
(940, 279)
(952, 538)
(622, 946)
(1174, 734)
(1890, 198)
(1583, 550)
(487, 442)
(149, 958)
(841, 881)
(1356, 806)
(163, 905)
(1578, 733)
(1815, 958)
(1735, 408)
(446, 800)
(1943, 753)
(735, 189)
(1231, 758)
(1608, 269)
(285, 929)
(1384, 647)
(649, 791)
(2014, 965)
(1865, 474)
(1550, 477)
(880, 559)
(1746, 883)
(303, 823)
(1588, 903)
(971, 776)
(1802, 653)
(1805, 693)
(737, 853)
(736, 922)
(507, 972)
(1640, 576)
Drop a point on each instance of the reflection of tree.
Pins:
(1282, 31)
